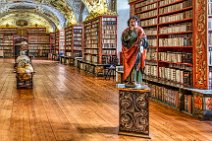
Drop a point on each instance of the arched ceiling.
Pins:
(57, 13)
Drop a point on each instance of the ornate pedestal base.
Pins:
(134, 112)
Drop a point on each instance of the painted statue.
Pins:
(134, 44)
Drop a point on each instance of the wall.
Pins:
(123, 10)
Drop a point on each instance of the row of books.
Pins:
(78, 31)
(91, 51)
(91, 43)
(39, 50)
(150, 31)
(209, 23)
(148, 14)
(87, 57)
(68, 53)
(77, 35)
(68, 36)
(108, 59)
(152, 42)
(34, 39)
(77, 39)
(8, 30)
(7, 48)
(38, 47)
(165, 2)
(210, 38)
(68, 47)
(176, 41)
(173, 28)
(176, 75)
(94, 59)
(145, 8)
(109, 30)
(92, 46)
(95, 22)
(108, 36)
(68, 43)
(210, 77)
(175, 57)
(78, 47)
(109, 41)
(175, 7)
(109, 27)
(176, 17)
(68, 39)
(8, 54)
(210, 9)
(109, 23)
(108, 20)
(91, 38)
(77, 43)
(7, 43)
(144, 3)
(210, 55)
(169, 96)
(109, 52)
(8, 37)
(151, 54)
(109, 45)
(149, 22)
(68, 32)
(151, 70)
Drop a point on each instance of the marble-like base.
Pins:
(136, 86)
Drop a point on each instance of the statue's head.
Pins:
(133, 21)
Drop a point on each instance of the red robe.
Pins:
(130, 54)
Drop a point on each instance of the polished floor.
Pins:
(67, 104)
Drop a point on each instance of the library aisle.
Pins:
(66, 104)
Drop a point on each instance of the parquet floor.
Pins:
(67, 104)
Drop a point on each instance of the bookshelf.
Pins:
(8, 45)
(57, 40)
(179, 56)
(168, 25)
(38, 42)
(7, 42)
(74, 41)
(100, 39)
(52, 42)
(61, 42)
(1, 45)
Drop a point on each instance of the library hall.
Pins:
(106, 70)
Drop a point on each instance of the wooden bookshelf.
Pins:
(7, 42)
(100, 40)
(74, 41)
(57, 42)
(8, 45)
(180, 55)
(173, 29)
(52, 40)
(38, 42)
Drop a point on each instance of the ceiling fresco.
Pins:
(57, 13)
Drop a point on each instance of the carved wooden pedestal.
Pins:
(134, 112)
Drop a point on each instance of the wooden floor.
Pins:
(68, 105)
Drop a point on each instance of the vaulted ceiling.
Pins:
(53, 14)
